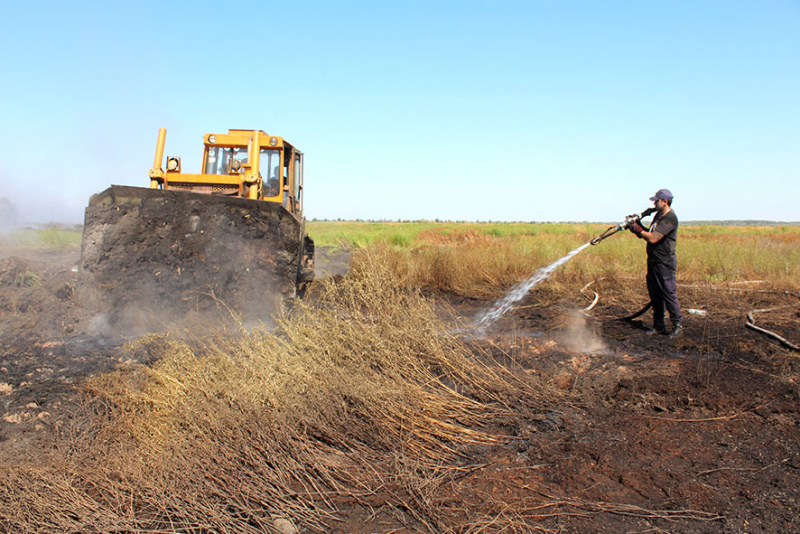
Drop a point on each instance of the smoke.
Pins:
(25, 202)
(9, 216)
(116, 319)
(99, 325)
(578, 336)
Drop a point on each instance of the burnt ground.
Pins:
(643, 434)
(54, 331)
(698, 434)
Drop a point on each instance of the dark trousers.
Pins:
(663, 290)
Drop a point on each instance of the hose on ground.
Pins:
(596, 296)
(751, 324)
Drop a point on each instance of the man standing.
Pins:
(662, 262)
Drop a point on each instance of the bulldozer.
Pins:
(231, 237)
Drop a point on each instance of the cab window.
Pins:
(270, 167)
(224, 160)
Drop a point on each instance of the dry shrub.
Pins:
(361, 393)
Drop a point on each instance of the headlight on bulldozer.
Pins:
(273, 141)
(173, 164)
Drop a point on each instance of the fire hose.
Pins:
(751, 324)
(624, 225)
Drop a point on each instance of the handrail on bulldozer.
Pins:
(157, 173)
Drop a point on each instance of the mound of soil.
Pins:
(160, 256)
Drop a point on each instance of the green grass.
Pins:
(358, 234)
(42, 238)
(361, 234)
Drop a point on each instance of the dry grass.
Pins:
(724, 271)
(481, 265)
(360, 394)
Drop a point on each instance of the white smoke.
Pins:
(578, 336)
(9, 216)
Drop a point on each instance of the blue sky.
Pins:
(470, 110)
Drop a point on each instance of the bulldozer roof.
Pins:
(237, 137)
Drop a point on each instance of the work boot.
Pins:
(677, 331)
(653, 331)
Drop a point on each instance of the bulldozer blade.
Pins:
(160, 256)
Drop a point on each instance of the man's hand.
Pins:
(636, 228)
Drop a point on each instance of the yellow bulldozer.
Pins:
(231, 237)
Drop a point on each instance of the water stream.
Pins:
(516, 293)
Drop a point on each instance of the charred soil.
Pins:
(643, 433)
(695, 434)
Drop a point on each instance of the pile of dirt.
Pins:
(159, 257)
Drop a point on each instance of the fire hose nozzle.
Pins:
(611, 231)
(630, 220)
(624, 225)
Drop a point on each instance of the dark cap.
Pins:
(661, 194)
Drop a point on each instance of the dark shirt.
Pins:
(664, 250)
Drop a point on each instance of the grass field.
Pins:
(484, 259)
(481, 259)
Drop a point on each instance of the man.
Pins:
(662, 262)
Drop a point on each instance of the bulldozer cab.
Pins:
(242, 163)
